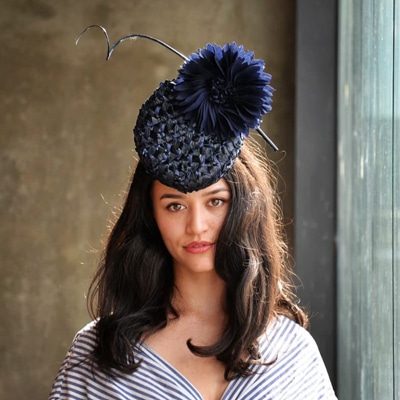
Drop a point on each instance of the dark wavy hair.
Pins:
(131, 292)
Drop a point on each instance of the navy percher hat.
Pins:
(191, 129)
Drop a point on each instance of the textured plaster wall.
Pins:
(66, 147)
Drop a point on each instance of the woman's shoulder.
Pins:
(85, 340)
(293, 361)
(285, 332)
(285, 341)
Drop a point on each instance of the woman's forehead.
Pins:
(161, 190)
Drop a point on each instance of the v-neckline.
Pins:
(163, 361)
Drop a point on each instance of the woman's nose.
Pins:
(197, 221)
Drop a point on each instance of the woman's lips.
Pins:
(198, 247)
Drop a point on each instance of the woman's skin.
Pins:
(189, 225)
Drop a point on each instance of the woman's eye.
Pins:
(175, 207)
(216, 202)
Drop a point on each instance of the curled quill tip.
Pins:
(105, 34)
(134, 36)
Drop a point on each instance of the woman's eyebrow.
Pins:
(181, 196)
(217, 190)
(171, 196)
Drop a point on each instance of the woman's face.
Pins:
(190, 223)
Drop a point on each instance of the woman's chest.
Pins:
(206, 374)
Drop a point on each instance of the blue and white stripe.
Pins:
(298, 372)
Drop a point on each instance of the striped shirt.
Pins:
(298, 372)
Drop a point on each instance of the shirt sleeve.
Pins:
(75, 379)
(294, 368)
(309, 378)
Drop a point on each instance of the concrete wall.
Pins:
(66, 147)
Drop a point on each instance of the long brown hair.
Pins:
(131, 292)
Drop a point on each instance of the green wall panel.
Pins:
(396, 199)
(368, 200)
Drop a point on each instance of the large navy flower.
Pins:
(224, 90)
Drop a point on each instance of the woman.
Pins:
(192, 299)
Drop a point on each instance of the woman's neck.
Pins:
(199, 295)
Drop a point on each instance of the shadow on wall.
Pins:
(67, 149)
